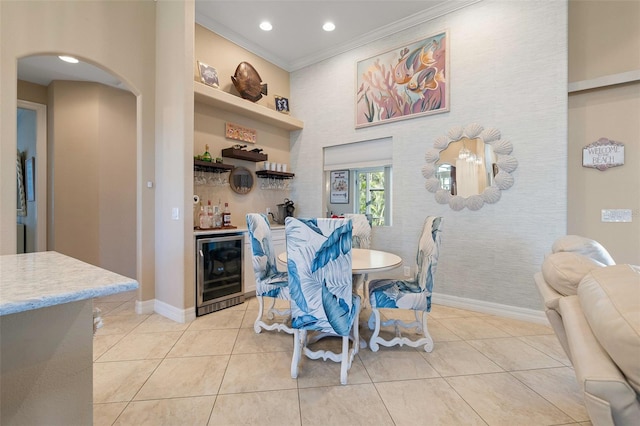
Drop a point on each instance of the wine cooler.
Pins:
(218, 272)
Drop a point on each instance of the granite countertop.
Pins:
(38, 280)
(238, 230)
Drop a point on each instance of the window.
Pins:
(369, 164)
(373, 194)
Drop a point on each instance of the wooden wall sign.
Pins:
(603, 154)
(239, 133)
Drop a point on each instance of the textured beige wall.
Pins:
(175, 288)
(117, 180)
(209, 124)
(92, 153)
(32, 92)
(604, 39)
(224, 56)
(73, 165)
(610, 112)
(118, 36)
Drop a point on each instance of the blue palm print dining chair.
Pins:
(413, 294)
(269, 281)
(322, 299)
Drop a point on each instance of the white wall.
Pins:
(508, 70)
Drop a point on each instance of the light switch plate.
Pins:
(616, 215)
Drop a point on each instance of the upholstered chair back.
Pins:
(269, 282)
(319, 266)
(361, 230)
(427, 255)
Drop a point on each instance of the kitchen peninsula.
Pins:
(46, 336)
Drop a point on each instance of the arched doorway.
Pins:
(87, 168)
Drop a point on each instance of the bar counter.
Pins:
(46, 336)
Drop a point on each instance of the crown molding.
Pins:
(240, 40)
(426, 15)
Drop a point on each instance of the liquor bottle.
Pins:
(206, 156)
(202, 218)
(210, 215)
(217, 217)
(226, 215)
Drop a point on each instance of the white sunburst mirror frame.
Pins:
(502, 180)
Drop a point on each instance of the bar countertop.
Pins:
(38, 280)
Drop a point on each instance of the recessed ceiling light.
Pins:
(329, 26)
(266, 26)
(69, 59)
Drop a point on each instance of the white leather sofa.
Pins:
(593, 306)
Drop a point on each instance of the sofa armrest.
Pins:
(551, 303)
(609, 398)
(550, 297)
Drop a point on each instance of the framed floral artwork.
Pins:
(405, 82)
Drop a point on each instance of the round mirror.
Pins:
(469, 167)
(241, 180)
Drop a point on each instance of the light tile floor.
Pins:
(484, 370)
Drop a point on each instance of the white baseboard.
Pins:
(498, 309)
(144, 307)
(178, 315)
(514, 312)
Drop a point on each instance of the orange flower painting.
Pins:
(403, 83)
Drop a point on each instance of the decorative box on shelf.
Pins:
(209, 166)
(274, 175)
(241, 154)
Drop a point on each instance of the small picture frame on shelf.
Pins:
(282, 104)
(208, 75)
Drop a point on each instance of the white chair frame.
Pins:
(420, 326)
(259, 324)
(345, 358)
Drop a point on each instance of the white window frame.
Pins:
(387, 190)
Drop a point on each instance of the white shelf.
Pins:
(228, 102)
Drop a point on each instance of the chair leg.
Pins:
(256, 324)
(428, 347)
(270, 314)
(299, 336)
(375, 315)
(344, 365)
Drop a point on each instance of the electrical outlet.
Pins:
(407, 271)
(175, 213)
(268, 210)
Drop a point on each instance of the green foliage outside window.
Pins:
(371, 195)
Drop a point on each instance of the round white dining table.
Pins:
(363, 261)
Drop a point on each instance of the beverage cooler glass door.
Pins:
(219, 272)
